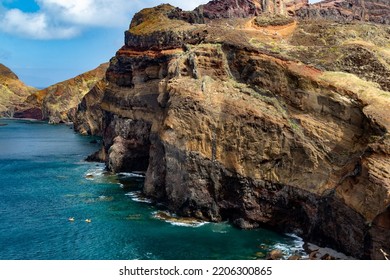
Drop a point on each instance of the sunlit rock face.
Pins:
(257, 119)
(377, 11)
(58, 103)
(13, 92)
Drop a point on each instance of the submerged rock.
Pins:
(275, 255)
(183, 221)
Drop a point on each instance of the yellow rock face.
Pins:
(13, 92)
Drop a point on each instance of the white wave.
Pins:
(131, 175)
(92, 174)
(178, 221)
(137, 196)
(297, 243)
(294, 247)
(194, 225)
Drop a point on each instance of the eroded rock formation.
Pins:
(255, 124)
(59, 102)
(89, 116)
(248, 8)
(377, 11)
(13, 92)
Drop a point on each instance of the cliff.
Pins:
(246, 8)
(59, 102)
(377, 11)
(13, 92)
(258, 120)
(88, 119)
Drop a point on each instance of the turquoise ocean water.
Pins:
(44, 181)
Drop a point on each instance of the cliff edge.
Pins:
(256, 118)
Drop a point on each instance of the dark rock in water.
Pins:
(275, 255)
(3, 124)
(260, 255)
(99, 156)
(94, 141)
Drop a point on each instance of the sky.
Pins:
(48, 41)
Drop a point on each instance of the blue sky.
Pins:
(48, 41)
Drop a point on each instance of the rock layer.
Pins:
(236, 126)
(377, 11)
(248, 8)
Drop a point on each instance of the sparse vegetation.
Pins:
(155, 19)
(265, 20)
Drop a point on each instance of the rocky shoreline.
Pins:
(282, 125)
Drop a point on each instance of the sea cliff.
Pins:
(281, 124)
(263, 113)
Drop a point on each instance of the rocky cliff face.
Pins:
(257, 124)
(377, 11)
(89, 116)
(13, 92)
(248, 8)
(59, 102)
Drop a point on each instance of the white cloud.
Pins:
(108, 13)
(62, 19)
(35, 25)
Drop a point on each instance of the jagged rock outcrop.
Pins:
(233, 9)
(377, 11)
(59, 102)
(258, 125)
(13, 92)
(166, 27)
(294, 5)
(89, 116)
(248, 8)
